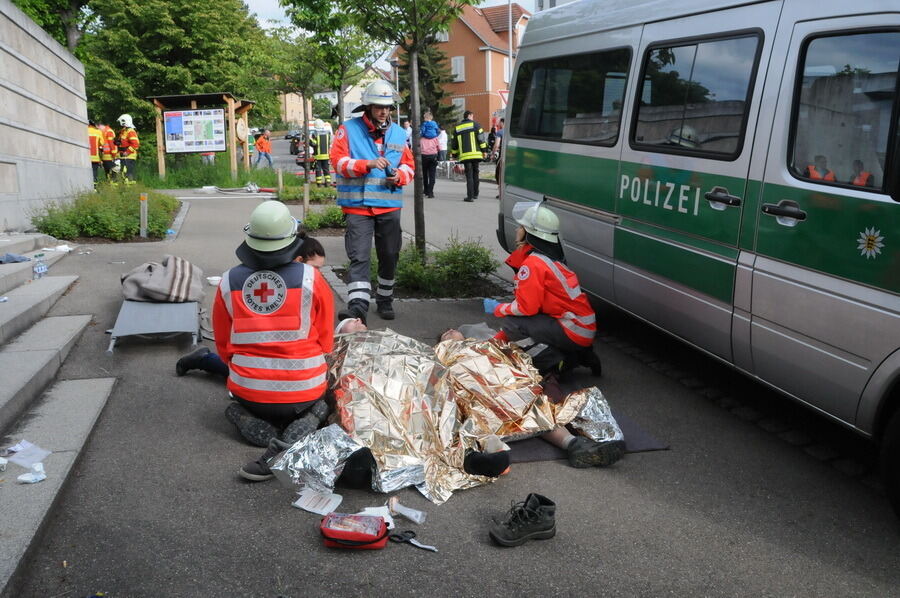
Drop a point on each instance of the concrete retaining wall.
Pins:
(43, 120)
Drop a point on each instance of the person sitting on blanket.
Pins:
(550, 316)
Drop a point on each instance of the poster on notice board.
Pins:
(195, 131)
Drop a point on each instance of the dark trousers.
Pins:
(128, 165)
(542, 337)
(471, 167)
(429, 172)
(358, 243)
(277, 414)
(323, 171)
(95, 166)
(108, 165)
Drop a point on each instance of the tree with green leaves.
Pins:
(407, 24)
(434, 75)
(65, 20)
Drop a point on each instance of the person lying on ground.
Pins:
(549, 308)
(273, 320)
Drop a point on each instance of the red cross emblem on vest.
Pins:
(264, 292)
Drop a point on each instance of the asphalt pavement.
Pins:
(733, 509)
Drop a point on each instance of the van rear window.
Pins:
(847, 88)
(574, 98)
(694, 97)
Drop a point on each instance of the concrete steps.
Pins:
(28, 303)
(61, 423)
(14, 275)
(30, 363)
(22, 243)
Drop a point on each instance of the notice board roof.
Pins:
(202, 99)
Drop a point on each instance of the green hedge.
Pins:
(316, 194)
(112, 212)
(331, 217)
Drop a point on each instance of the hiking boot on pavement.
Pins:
(355, 309)
(191, 361)
(385, 310)
(258, 470)
(533, 519)
(256, 431)
(584, 452)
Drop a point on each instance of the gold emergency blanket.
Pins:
(420, 409)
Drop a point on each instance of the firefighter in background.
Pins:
(320, 142)
(95, 141)
(108, 151)
(468, 146)
(128, 147)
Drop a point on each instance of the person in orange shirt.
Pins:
(95, 140)
(372, 163)
(264, 148)
(108, 151)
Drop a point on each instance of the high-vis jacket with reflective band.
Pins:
(814, 174)
(108, 151)
(128, 144)
(273, 329)
(862, 179)
(544, 286)
(322, 144)
(95, 140)
(468, 141)
(356, 185)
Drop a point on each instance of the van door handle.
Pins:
(720, 194)
(784, 209)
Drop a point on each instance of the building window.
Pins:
(842, 113)
(695, 97)
(458, 68)
(572, 98)
(442, 36)
(460, 105)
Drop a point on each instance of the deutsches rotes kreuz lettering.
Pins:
(264, 292)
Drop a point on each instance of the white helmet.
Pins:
(685, 136)
(271, 227)
(378, 93)
(125, 121)
(537, 220)
(320, 124)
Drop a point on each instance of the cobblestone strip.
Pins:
(818, 449)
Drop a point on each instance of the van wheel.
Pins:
(890, 461)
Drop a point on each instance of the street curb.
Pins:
(340, 287)
(179, 220)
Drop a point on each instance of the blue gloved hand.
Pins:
(490, 305)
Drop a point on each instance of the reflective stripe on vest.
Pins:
(862, 179)
(323, 146)
(572, 292)
(371, 190)
(275, 363)
(466, 132)
(277, 385)
(814, 174)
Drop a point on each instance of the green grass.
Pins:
(318, 195)
(185, 171)
(112, 212)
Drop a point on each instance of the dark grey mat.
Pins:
(535, 449)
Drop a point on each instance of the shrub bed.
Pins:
(317, 195)
(112, 212)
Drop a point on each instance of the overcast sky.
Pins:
(269, 9)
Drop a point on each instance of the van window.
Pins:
(572, 98)
(842, 114)
(694, 97)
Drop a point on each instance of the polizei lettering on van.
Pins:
(665, 195)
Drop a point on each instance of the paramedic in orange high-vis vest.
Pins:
(273, 319)
(861, 177)
(818, 170)
(95, 141)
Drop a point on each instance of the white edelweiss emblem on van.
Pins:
(870, 242)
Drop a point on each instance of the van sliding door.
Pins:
(683, 179)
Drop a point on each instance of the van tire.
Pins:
(890, 461)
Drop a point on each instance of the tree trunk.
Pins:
(419, 183)
(69, 18)
(340, 104)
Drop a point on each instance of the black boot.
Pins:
(589, 359)
(191, 361)
(258, 470)
(255, 430)
(533, 519)
(385, 310)
(357, 308)
(307, 423)
(491, 465)
(584, 452)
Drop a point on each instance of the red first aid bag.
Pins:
(366, 532)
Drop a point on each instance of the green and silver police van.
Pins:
(729, 172)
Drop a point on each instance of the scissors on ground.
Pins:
(409, 537)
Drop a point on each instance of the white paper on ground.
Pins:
(413, 515)
(64, 248)
(320, 503)
(379, 512)
(28, 454)
(34, 476)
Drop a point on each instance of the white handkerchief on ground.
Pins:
(320, 503)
